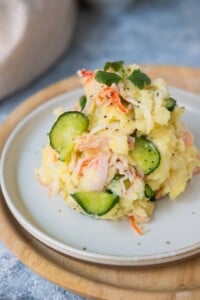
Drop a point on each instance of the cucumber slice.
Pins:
(68, 126)
(148, 192)
(170, 103)
(146, 155)
(96, 203)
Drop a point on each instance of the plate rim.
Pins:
(165, 257)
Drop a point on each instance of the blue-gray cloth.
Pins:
(154, 32)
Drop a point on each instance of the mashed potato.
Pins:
(133, 150)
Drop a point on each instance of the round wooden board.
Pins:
(171, 281)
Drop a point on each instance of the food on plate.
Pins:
(121, 148)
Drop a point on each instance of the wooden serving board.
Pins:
(171, 281)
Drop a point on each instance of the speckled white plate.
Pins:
(172, 234)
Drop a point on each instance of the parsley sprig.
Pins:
(82, 102)
(114, 72)
(139, 79)
(114, 65)
(107, 78)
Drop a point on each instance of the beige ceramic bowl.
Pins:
(33, 35)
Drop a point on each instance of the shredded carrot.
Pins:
(112, 95)
(121, 106)
(135, 225)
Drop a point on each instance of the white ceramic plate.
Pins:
(172, 234)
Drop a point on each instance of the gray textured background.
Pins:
(151, 31)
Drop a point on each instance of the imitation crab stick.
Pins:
(85, 163)
(89, 142)
(86, 74)
(110, 94)
(188, 139)
(92, 172)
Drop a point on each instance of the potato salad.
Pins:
(121, 148)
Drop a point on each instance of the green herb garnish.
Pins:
(82, 102)
(107, 78)
(115, 65)
(139, 79)
(170, 103)
(118, 176)
(148, 192)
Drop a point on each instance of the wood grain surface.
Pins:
(179, 281)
